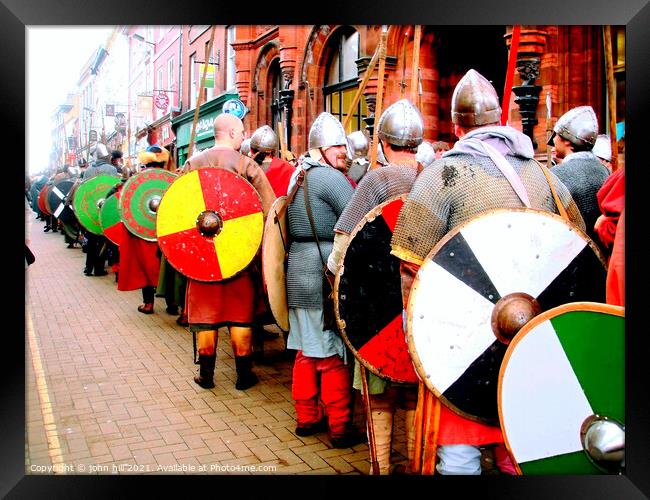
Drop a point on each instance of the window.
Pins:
(193, 84)
(341, 80)
(170, 74)
(230, 64)
(160, 85)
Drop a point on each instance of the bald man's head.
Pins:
(228, 130)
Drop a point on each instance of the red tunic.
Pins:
(611, 201)
(139, 262)
(615, 288)
(455, 429)
(279, 173)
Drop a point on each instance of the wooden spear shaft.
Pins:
(402, 84)
(283, 145)
(372, 443)
(416, 63)
(199, 99)
(611, 94)
(380, 98)
(418, 421)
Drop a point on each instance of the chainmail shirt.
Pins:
(455, 189)
(377, 186)
(583, 175)
(329, 192)
(99, 168)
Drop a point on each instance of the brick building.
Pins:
(300, 71)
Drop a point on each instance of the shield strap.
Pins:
(558, 203)
(292, 194)
(509, 173)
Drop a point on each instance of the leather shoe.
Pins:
(351, 438)
(101, 273)
(146, 308)
(311, 429)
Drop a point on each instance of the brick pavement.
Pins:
(110, 390)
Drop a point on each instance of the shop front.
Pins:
(204, 134)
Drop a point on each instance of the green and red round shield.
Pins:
(42, 199)
(564, 367)
(210, 223)
(109, 216)
(88, 199)
(368, 296)
(479, 285)
(140, 198)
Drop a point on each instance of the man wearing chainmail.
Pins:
(235, 302)
(322, 194)
(453, 190)
(400, 131)
(358, 146)
(574, 136)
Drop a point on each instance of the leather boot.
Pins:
(205, 378)
(245, 376)
(382, 423)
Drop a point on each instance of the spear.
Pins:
(510, 75)
(549, 130)
(403, 82)
(415, 72)
(380, 95)
(611, 94)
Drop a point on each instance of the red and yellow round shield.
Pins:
(210, 223)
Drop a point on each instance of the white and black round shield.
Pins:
(562, 392)
(56, 199)
(479, 285)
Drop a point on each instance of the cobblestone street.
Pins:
(110, 390)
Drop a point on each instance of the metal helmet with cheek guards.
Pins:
(245, 147)
(358, 145)
(474, 101)
(579, 126)
(264, 139)
(325, 132)
(426, 155)
(401, 124)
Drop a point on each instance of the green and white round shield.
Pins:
(561, 391)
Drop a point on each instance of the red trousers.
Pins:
(334, 391)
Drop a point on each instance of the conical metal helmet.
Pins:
(401, 124)
(100, 152)
(426, 155)
(358, 145)
(474, 101)
(245, 147)
(603, 147)
(264, 139)
(579, 126)
(326, 131)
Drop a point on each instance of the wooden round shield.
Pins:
(56, 198)
(479, 285)
(368, 297)
(88, 199)
(274, 262)
(210, 223)
(563, 368)
(109, 217)
(140, 199)
(42, 197)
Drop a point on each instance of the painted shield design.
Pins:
(562, 391)
(89, 198)
(274, 262)
(56, 199)
(109, 217)
(368, 297)
(42, 200)
(479, 285)
(210, 223)
(140, 199)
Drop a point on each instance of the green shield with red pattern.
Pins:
(109, 216)
(140, 198)
(563, 368)
(89, 198)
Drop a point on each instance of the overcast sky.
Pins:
(55, 56)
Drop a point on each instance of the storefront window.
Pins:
(341, 80)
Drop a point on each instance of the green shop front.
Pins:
(204, 134)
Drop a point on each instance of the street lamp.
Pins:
(140, 38)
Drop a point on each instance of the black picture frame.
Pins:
(16, 15)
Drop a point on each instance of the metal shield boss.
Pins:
(210, 223)
(562, 392)
(109, 217)
(89, 198)
(140, 198)
(275, 249)
(56, 198)
(480, 285)
(368, 297)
